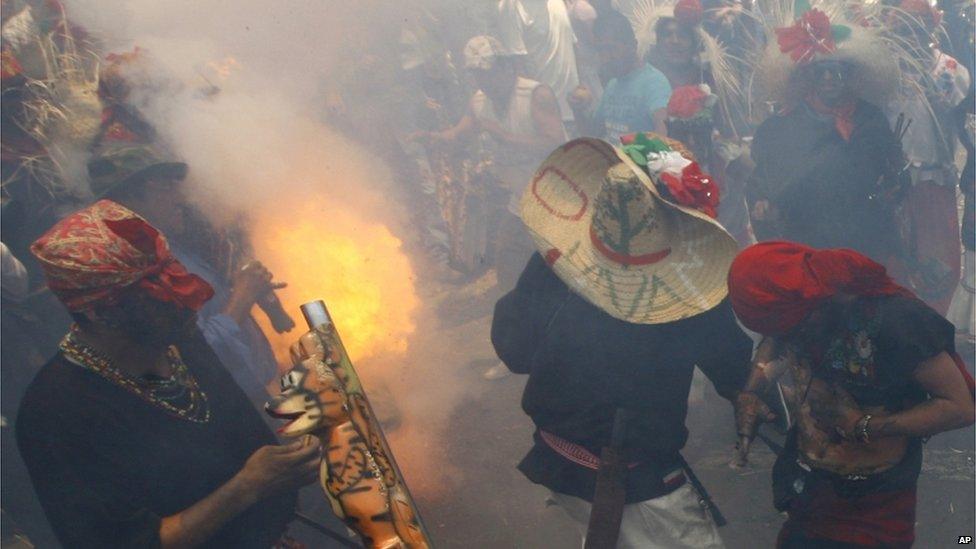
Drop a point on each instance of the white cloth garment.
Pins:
(962, 311)
(513, 165)
(922, 142)
(541, 31)
(582, 14)
(673, 521)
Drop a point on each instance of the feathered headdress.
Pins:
(799, 34)
(731, 83)
(55, 74)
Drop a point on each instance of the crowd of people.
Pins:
(844, 167)
(768, 191)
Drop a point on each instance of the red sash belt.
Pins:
(581, 456)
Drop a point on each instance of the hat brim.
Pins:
(167, 170)
(557, 208)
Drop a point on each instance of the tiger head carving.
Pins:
(312, 398)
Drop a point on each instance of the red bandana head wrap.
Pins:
(773, 286)
(91, 255)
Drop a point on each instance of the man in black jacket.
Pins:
(626, 297)
(829, 168)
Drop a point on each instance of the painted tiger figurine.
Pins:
(356, 476)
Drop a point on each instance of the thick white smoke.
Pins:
(259, 147)
(272, 62)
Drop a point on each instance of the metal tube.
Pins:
(316, 314)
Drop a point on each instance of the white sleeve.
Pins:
(952, 79)
(584, 11)
(512, 19)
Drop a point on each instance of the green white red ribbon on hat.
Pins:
(679, 179)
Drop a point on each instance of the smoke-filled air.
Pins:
(487, 273)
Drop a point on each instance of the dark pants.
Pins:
(794, 539)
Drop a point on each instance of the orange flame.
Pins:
(324, 250)
(224, 67)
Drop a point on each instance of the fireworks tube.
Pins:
(401, 505)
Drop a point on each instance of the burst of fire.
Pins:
(224, 67)
(324, 250)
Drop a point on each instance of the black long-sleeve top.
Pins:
(583, 364)
(108, 466)
(828, 191)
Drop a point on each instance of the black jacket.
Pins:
(583, 364)
(108, 466)
(828, 192)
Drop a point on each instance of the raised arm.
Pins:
(750, 410)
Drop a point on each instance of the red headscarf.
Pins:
(689, 12)
(93, 254)
(773, 286)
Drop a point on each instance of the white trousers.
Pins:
(674, 521)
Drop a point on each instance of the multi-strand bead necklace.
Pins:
(179, 395)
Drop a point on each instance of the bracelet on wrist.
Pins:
(861, 429)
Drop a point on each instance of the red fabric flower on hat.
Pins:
(688, 12)
(686, 102)
(694, 189)
(810, 35)
(9, 66)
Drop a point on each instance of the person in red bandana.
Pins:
(134, 434)
(828, 168)
(874, 372)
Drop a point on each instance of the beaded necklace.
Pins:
(179, 395)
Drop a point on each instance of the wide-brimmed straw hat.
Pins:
(599, 222)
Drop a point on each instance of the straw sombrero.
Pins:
(599, 222)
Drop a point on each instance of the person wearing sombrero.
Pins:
(874, 374)
(625, 296)
(828, 166)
